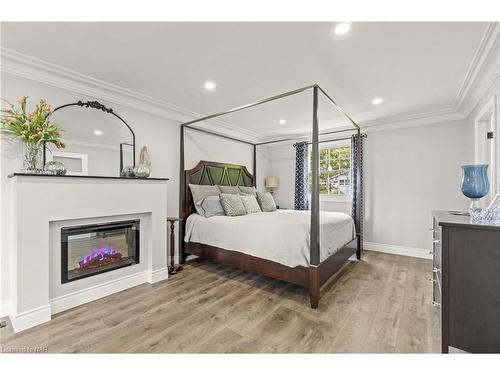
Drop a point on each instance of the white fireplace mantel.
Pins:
(41, 204)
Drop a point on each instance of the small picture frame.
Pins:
(76, 164)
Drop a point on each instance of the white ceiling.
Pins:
(414, 67)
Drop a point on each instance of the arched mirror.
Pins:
(98, 141)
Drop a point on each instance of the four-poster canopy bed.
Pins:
(317, 272)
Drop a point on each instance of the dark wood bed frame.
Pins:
(312, 277)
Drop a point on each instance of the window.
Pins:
(334, 170)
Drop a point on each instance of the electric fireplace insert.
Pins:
(92, 249)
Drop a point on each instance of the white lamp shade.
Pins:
(272, 182)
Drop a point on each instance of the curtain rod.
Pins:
(297, 138)
(332, 140)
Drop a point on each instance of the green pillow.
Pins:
(250, 203)
(266, 202)
(232, 204)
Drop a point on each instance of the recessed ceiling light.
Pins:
(377, 101)
(282, 121)
(210, 85)
(97, 132)
(342, 28)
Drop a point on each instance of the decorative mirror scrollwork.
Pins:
(103, 136)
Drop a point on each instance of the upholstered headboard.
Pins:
(212, 173)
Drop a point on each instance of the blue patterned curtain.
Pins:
(301, 176)
(357, 142)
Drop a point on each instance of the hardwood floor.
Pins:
(381, 304)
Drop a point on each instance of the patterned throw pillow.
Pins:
(210, 206)
(248, 190)
(266, 202)
(200, 192)
(250, 203)
(232, 204)
(229, 189)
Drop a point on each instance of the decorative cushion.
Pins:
(266, 202)
(210, 206)
(232, 204)
(200, 192)
(250, 203)
(248, 190)
(229, 189)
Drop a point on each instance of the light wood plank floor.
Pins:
(380, 304)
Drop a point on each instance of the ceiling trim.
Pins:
(26, 66)
(488, 41)
(35, 69)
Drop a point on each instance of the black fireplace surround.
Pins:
(89, 250)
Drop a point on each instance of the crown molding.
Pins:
(482, 52)
(417, 119)
(35, 69)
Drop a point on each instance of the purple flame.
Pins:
(97, 253)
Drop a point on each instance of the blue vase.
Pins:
(475, 185)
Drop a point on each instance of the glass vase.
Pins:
(32, 157)
(475, 185)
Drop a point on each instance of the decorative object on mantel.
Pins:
(144, 157)
(127, 172)
(33, 129)
(141, 171)
(55, 167)
(475, 185)
(172, 268)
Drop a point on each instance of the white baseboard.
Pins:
(158, 275)
(398, 250)
(30, 318)
(80, 297)
(5, 308)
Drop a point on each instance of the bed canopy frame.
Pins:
(314, 277)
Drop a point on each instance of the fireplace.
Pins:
(92, 249)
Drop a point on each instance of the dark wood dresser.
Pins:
(466, 283)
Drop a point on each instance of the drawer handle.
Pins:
(436, 241)
(435, 303)
(436, 270)
(432, 230)
(431, 252)
(431, 279)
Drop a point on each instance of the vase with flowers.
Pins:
(33, 129)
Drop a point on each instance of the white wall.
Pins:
(159, 134)
(408, 173)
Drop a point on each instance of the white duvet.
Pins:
(281, 236)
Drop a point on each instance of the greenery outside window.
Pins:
(334, 171)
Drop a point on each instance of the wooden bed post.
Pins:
(314, 286)
(315, 235)
(182, 209)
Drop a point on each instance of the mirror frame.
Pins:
(99, 106)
